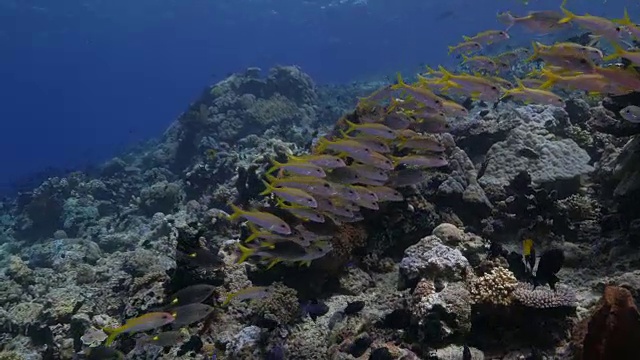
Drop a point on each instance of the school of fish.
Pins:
(392, 139)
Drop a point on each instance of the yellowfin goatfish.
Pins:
(312, 185)
(421, 161)
(144, 322)
(378, 130)
(250, 293)
(188, 314)
(466, 47)
(529, 95)
(286, 251)
(263, 219)
(541, 22)
(598, 25)
(191, 294)
(292, 195)
(477, 87)
(323, 161)
(385, 193)
(592, 83)
(298, 168)
(424, 96)
(488, 37)
(167, 338)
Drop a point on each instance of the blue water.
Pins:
(82, 80)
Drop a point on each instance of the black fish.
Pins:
(466, 353)
(275, 353)
(315, 309)
(201, 257)
(550, 263)
(191, 294)
(381, 354)
(354, 307)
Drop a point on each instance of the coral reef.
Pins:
(435, 276)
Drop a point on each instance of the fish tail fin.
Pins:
(237, 212)
(245, 253)
(273, 263)
(527, 246)
(269, 188)
(270, 178)
(552, 78)
(626, 19)
(351, 128)
(254, 233)
(306, 263)
(275, 167)
(466, 38)
(618, 51)
(400, 82)
(446, 75)
(113, 333)
(568, 15)
(536, 51)
(451, 50)
(322, 145)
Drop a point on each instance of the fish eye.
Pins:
(583, 61)
(618, 29)
(438, 102)
(494, 88)
(327, 185)
(283, 226)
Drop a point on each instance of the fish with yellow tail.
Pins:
(146, 322)
(262, 219)
(598, 25)
(529, 95)
(286, 251)
(249, 293)
(488, 37)
(292, 195)
(421, 95)
(477, 88)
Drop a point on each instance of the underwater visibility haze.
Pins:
(320, 179)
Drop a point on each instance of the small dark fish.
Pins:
(189, 314)
(381, 354)
(354, 307)
(191, 294)
(201, 257)
(445, 14)
(275, 353)
(335, 319)
(550, 263)
(167, 338)
(466, 353)
(406, 177)
(104, 353)
(315, 309)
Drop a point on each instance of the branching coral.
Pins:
(544, 298)
(495, 287)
